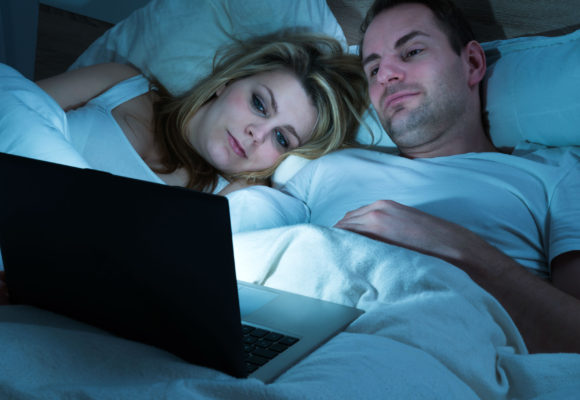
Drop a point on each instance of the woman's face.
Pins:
(252, 121)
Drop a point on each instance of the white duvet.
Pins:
(428, 332)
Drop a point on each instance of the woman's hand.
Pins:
(3, 290)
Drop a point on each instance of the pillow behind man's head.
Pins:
(532, 90)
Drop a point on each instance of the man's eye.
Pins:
(413, 52)
(258, 105)
(281, 139)
(373, 71)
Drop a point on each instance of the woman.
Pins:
(266, 98)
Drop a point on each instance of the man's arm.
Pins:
(547, 317)
(566, 273)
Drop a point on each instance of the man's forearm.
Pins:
(548, 318)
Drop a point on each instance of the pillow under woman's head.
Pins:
(175, 40)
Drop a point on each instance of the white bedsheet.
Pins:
(428, 332)
(32, 124)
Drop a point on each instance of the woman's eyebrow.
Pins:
(274, 105)
(273, 102)
(293, 132)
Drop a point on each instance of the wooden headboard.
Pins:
(490, 19)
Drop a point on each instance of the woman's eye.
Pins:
(281, 139)
(258, 105)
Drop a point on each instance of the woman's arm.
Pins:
(547, 317)
(74, 88)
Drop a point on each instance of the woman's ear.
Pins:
(220, 90)
(475, 58)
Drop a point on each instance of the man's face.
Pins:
(417, 83)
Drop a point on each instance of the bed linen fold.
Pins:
(32, 124)
(428, 332)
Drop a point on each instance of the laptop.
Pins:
(151, 263)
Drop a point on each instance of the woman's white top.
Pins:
(97, 136)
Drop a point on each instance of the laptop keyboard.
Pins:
(261, 345)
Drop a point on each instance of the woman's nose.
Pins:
(257, 132)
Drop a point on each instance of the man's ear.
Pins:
(475, 59)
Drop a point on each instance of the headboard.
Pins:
(490, 19)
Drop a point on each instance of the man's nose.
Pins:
(389, 72)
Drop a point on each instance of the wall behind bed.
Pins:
(491, 19)
(111, 11)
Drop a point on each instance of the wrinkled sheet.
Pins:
(428, 332)
(32, 124)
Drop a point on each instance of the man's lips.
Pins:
(397, 98)
(236, 147)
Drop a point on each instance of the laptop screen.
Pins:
(145, 261)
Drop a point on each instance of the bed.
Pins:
(428, 330)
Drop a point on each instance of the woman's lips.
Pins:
(236, 147)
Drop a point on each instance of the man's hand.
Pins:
(404, 226)
(547, 317)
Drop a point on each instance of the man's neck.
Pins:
(470, 141)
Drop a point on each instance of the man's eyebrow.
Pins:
(408, 37)
(369, 58)
(404, 39)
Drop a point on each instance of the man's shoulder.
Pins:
(543, 153)
(364, 152)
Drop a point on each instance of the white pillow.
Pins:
(287, 169)
(261, 207)
(533, 90)
(175, 40)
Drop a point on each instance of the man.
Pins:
(450, 193)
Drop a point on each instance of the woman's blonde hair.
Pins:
(332, 79)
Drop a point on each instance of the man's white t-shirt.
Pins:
(524, 203)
